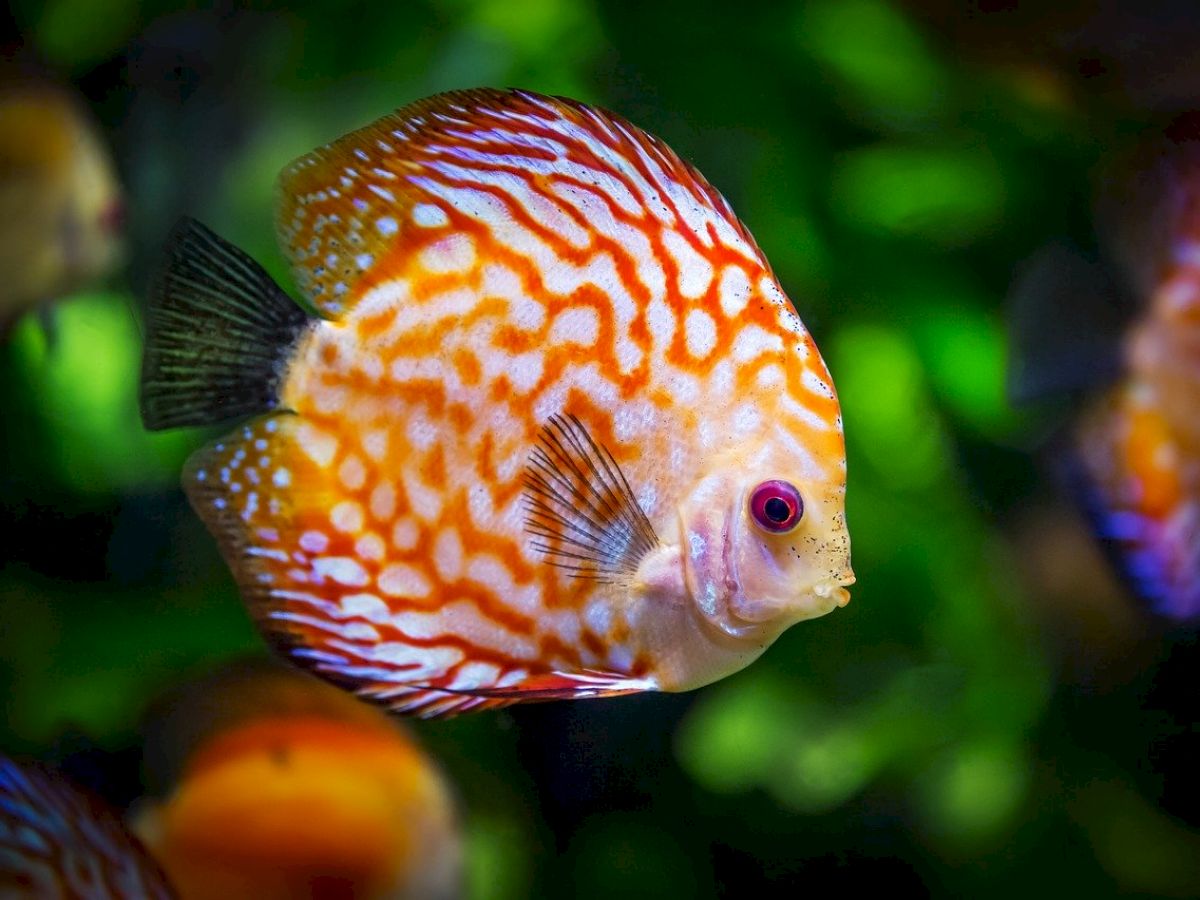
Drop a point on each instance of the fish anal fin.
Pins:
(255, 489)
(439, 699)
(571, 686)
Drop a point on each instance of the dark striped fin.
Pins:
(219, 332)
(580, 509)
(57, 841)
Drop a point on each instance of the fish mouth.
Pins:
(836, 587)
(818, 600)
(834, 590)
(712, 578)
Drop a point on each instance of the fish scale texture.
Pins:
(485, 261)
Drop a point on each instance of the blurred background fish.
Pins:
(1129, 58)
(1123, 332)
(268, 784)
(57, 841)
(61, 206)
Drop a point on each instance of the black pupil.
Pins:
(777, 510)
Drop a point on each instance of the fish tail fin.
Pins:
(219, 332)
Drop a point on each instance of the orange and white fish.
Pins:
(59, 842)
(273, 785)
(556, 432)
(1134, 449)
(61, 207)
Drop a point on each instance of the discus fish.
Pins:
(555, 432)
(1134, 455)
(273, 785)
(60, 201)
(58, 842)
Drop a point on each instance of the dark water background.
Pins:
(991, 714)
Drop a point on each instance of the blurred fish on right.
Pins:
(1122, 334)
(268, 784)
(1105, 54)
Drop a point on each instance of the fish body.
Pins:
(58, 842)
(60, 201)
(517, 453)
(276, 786)
(1134, 457)
(1139, 444)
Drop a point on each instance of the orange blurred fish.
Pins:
(58, 842)
(276, 786)
(1136, 442)
(556, 432)
(61, 209)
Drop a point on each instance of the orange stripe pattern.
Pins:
(487, 261)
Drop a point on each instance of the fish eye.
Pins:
(776, 506)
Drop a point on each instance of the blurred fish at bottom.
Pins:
(58, 842)
(1124, 333)
(272, 784)
(61, 206)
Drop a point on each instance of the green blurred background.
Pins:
(990, 714)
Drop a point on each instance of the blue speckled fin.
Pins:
(56, 841)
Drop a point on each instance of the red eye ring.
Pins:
(776, 506)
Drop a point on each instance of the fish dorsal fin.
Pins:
(523, 167)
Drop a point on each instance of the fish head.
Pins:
(764, 542)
